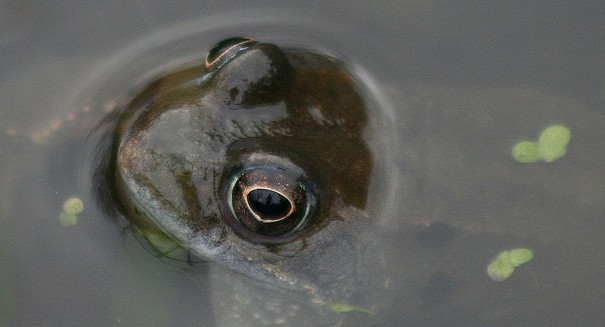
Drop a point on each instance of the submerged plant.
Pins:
(342, 308)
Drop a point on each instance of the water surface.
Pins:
(457, 85)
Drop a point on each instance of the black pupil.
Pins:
(222, 46)
(268, 205)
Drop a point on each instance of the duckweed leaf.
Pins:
(68, 219)
(551, 145)
(503, 265)
(526, 152)
(520, 256)
(553, 142)
(499, 269)
(73, 206)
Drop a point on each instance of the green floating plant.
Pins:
(68, 219)
(71, 208)
(526, 152)
(551, 145)
(504, 264)
(520, 256)
(553, 142)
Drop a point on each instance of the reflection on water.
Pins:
(459, 86)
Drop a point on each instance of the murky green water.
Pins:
(458, 84)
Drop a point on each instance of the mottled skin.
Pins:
(183, 136)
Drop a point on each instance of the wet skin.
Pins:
(256, 160)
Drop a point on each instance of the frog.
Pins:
(256, 160)
(260, 161)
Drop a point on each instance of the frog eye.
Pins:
(226, 50)
(269, 204)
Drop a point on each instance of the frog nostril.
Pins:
(268, 205)
(226, 49)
